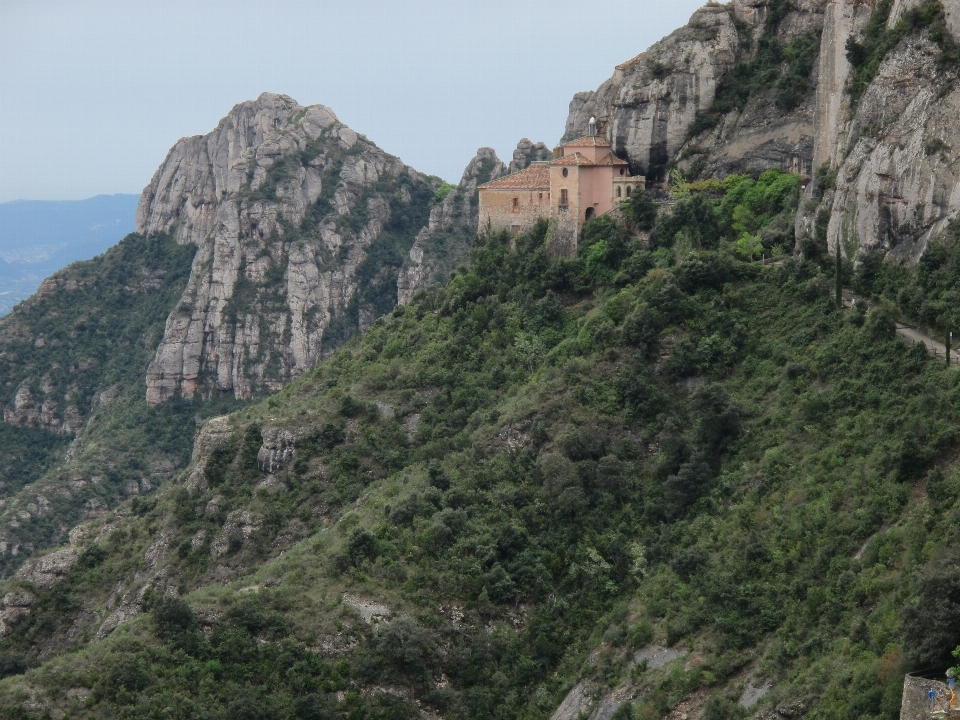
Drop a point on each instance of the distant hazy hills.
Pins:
(39, 237)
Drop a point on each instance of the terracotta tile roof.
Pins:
(611, 159)
(573, 159)
(535, 177)
(588, 141)
(578, 159)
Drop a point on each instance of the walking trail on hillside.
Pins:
(908, 334)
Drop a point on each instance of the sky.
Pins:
(93, 93)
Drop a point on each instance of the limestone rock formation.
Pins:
(650, 107)
(526, 153)
(277, 450)
(44, 572)
(14, 609)
(651, 101)
(444, 243)
(894, 153)
(287, 206)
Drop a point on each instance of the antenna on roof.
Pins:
(593, 127)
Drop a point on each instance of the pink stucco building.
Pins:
(583, 180)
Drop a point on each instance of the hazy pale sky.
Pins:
(94, 92)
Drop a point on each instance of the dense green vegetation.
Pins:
(646, 442)
(781, 68)
(25, 454)
(926, 294)
(98, 332)
(867, 52)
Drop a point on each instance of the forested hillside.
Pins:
(508, 488)
(77, 437)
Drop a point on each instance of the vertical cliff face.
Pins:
(702, 98)
(648, 106)
(889, 181)
(662, 91)
(301, 226)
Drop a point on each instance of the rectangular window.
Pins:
(564, 198)
(516, 204)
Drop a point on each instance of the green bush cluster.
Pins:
(926, 294)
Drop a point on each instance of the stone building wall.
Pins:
(563, 243)
(513, 210)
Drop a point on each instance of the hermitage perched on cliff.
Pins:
(585, 179)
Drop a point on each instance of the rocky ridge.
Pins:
(440, 246)
(650, 106)
(285, 204)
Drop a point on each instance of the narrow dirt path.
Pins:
(908, 334)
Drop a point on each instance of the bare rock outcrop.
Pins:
(445, 242)
(649, 108)
(894, 152)
(528, 152)
(44, 572)
(14, 609)
(284, 204)
(277, 450)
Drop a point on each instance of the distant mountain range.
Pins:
(38, 237)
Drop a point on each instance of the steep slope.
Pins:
(527, 483)
(301, 225)
(440, 246)
(77, 435)
(445, 243)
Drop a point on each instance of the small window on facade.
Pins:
(619, 192)
(628, 191)
(565, 172)
(541, 197)
(622, 171)
(515, 229)
(564, 199)
(516, 204)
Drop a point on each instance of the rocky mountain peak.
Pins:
(528, 152)
(284, 203)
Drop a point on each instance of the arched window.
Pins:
(628, 191)
(619, 192)
(589, 214)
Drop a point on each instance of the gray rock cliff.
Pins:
(894, 153)
(445, 242)
(649, 108)
(286, 205)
